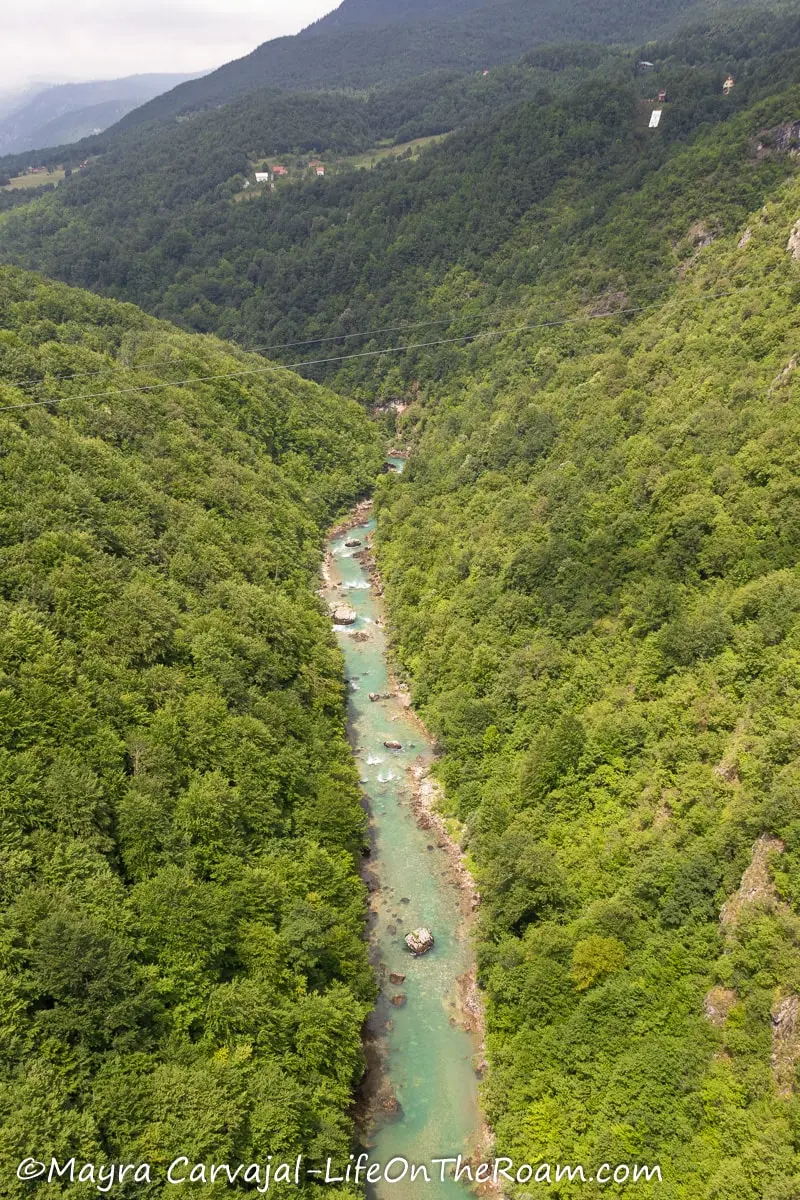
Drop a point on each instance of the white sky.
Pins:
(76, 40)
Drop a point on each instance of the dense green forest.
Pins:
(591, 565)
(591, 568)
(459, 236)
(371, 43)
(183, 966)
(208, 149)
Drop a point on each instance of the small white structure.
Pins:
(262, 176)
(655, 119)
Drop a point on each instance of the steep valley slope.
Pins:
(182, 921)
(591, 564)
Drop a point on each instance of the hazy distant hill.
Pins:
(69, 111)
(13, 98)
(366, 43)
(382, 12)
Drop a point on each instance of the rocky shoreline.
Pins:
(426, 794)
(376, 1101)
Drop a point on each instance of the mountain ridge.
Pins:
(361, 45)
(41, 120)
(251, 269)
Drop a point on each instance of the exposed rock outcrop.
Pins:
(610, 302)
(784, 376)
(785, 1044)
(756, 886)
(787, 138)
(344, 615)
(700, 235)
(420, 941)
(717, 1003)
(793, 245)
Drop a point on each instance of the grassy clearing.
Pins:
(300, 168)
(370, 158)
(31, 181)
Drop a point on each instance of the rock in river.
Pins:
(399, 1000)
(391, 745)
(344, 615)
(352, 542)
(396, 977)
(420, 941)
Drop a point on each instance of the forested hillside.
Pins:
(183, 966)
(592, 585)
(215, 147)
(592, 569)
(456, 236)
(369, 43)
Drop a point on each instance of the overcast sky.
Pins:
(62, 40)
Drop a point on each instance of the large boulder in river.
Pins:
(344, 615)
(390, 744)
(420, 941)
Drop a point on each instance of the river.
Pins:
(427, 1096)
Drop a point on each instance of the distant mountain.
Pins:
(14, 98)
(382, 12)
(69, 111)
(163, 218)
(367, 43)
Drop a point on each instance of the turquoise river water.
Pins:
(428, 1093)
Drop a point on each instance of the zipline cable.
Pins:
(314, 362)
(338, 337)
(38, 384)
